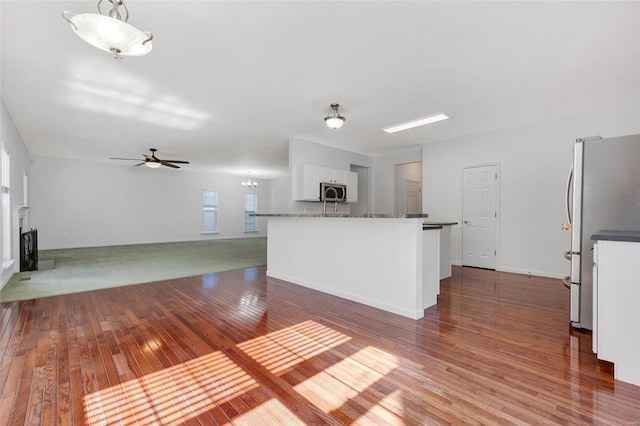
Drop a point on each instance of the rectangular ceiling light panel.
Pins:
(415, 123)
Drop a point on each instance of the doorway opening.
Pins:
(408, 188)
(362, 206)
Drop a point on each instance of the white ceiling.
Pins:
(228, 83)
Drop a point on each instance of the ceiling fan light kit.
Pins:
(154, 162)
(335, 120)
(111, 32)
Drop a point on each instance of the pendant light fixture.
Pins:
(111, 32)
(334, 121)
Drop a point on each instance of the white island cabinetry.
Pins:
(386, 261)
(616, 331)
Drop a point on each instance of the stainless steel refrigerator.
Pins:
(603, 193)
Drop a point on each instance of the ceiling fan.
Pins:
(153, 161)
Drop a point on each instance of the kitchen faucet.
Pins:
(335, 203)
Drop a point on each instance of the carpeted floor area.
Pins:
(83, 269)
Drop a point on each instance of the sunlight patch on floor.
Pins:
(271, 412)
(171, 395)
(332, 388)
(281, 350)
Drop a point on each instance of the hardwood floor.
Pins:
(237, 347)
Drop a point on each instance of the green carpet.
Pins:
(92, 268)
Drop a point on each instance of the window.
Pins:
(250, 207)
(25, 189)
(5, 184)
(209, 211)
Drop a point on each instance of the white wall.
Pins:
(534, 162)
(384, 169)
(281, 201)
(84, 204)
(303, 152)
(20, 161)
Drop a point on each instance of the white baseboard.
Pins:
(349, 296)
(543, 274)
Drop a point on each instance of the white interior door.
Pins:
(413, 197)
(479, 216)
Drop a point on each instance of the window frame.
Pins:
(5, 204)
(213, 207)
(252, 219)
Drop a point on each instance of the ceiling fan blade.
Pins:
(164, 163)
(139, 164)
(177, 161)
(115, 158)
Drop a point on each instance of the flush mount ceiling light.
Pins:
(334, 121)
(110, 32)
(415, 123)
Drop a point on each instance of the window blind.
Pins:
(250, 207)
(6, 171)
(209, 210)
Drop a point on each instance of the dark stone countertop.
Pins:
(345, 215)
(630, 236)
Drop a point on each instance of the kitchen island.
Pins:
(388, 261)
(445, 246)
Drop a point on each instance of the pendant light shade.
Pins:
(334, 121)
(111, 32)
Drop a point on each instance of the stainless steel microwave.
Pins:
(333, 192)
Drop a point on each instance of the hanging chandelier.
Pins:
(249, 183)
(334, 121)
(110, 31)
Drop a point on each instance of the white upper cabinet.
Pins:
(338, 176)
(311, 182)
(313, 175)
(326, 174)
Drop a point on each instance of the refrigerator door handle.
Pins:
(568, 204)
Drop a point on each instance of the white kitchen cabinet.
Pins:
(311, 178)
(326, 174)
(617, 307)
(338, 176)
(313, 175)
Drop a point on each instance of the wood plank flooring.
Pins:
(239, 348)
